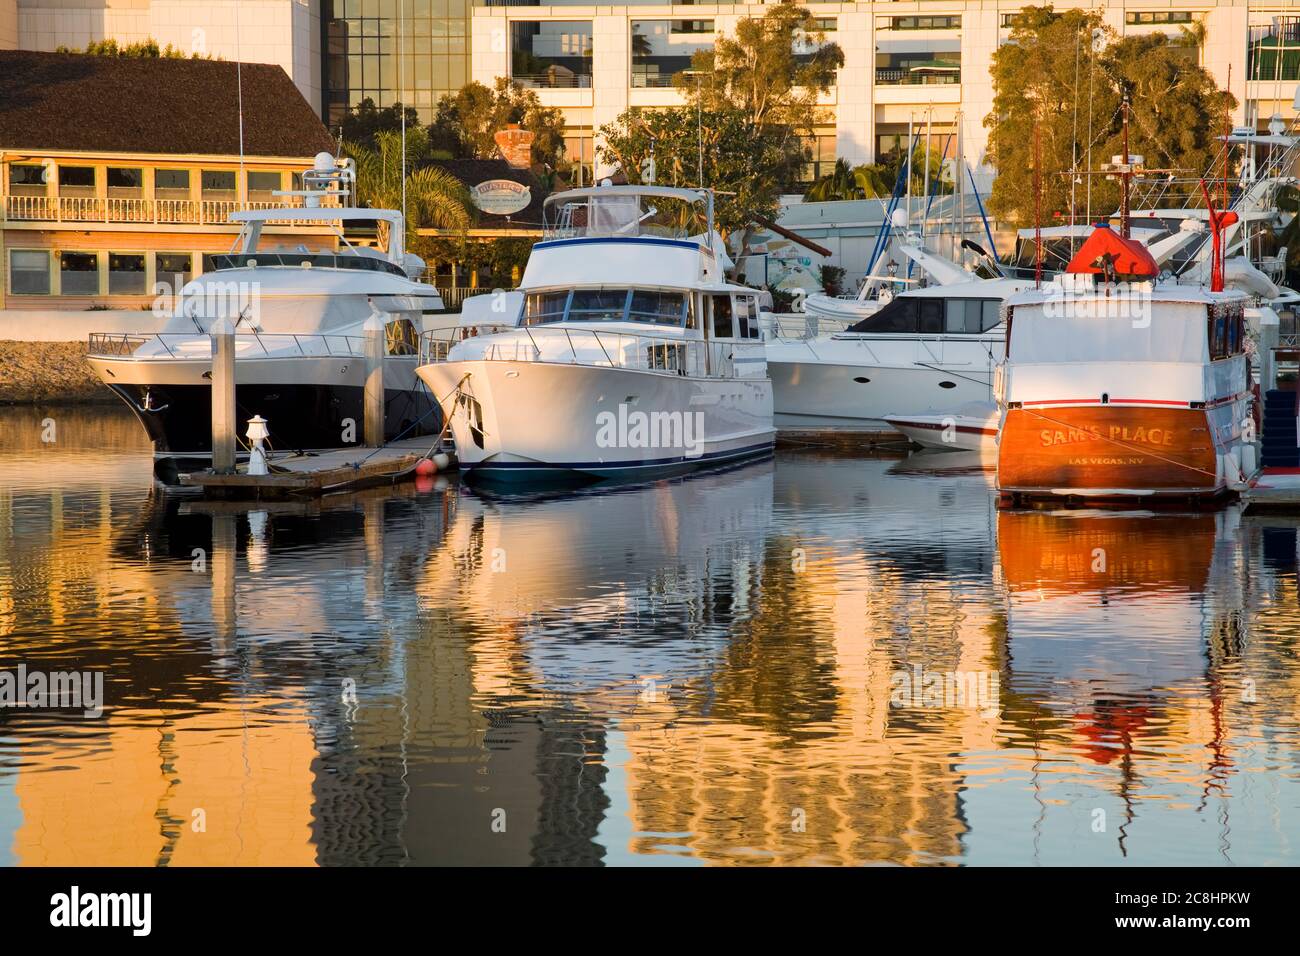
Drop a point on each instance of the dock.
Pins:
(837, 436)
(1276, 489)
(317, 473)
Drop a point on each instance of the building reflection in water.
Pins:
(697, 670)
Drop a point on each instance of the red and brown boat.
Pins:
(1118, 386)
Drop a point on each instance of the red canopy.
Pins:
(1128, 257)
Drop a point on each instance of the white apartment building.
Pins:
(923, 63)
(907, 62)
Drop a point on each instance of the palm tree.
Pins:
(434, 197)
(850, 182)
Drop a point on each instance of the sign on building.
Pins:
(501, 197)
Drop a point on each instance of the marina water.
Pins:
(812, 659)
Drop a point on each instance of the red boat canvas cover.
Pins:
(1128, 258)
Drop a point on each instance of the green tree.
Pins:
(877, 180)
(465, 123)
(1061, 79)
(773, 69)
(434, 198)
(743, 163)
(365, 120)
(144, 50)
(850, 182)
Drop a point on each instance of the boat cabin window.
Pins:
(607, 305)
(970, 315)
(1225, 330)
(746, 311)
(932, 316)
(723, 326)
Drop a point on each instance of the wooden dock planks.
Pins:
(317, 474)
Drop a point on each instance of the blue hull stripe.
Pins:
(639, 240)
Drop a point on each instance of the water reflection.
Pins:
(702, 670)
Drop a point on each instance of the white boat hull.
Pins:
(860, 383)
(949, 432)
(529, 420)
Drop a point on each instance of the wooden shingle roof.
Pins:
(69, 101)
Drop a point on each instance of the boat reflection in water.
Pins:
(1129, 649)
(727, 668)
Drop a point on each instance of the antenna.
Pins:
(1038, 208)
(241, 187)
(1126, 176)
(401, 92)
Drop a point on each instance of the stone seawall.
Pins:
(48, 372)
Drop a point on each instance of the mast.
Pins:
(1126, 175)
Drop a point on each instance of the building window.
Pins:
(691, 26)
(551, 53)
(369, 53)
(821, 153)
(1158, 16)
(29, 272)
(924, 23)
(79, 273)
(580, 150)
(27, 179)
(262, 185)
(826, 24)
(660, 51)
(125, 182)
(171, 184)
(218, 184)
(126, 274)
(76, 180)
(173, 269)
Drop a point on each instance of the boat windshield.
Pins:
(623, 215)
(609, 305)
(240, 260)
(929, 315)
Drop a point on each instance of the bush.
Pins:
(832, 279)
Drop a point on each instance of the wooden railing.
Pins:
(158, 212)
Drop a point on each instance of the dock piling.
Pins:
(223, 396)
(376, 346)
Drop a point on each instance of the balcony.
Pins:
(554, 79)
(918, 76)
(153, 212)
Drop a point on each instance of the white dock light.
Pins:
(257, 433)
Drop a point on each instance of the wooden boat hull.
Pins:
(1107, 451)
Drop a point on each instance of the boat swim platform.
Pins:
(317, 473)
(1275, 490)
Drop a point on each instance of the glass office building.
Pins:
(412, 51)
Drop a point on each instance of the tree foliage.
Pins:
(434, 197)
(143, 50)
(366, 120)
(465, 123)
(1063, 76)
(743, 162)
(877, 180)
(773, 68)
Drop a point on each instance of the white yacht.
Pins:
(633, 355)
(926, 350)
(299, 317)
